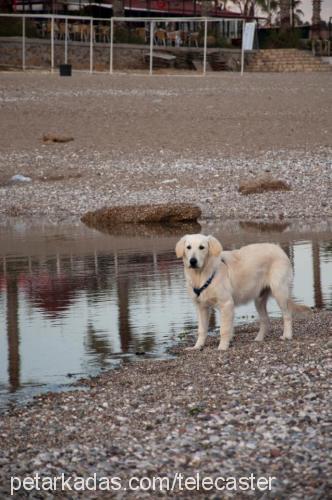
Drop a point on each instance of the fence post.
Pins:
(242, 47)
(205, 46)
(23, 43)
(66, 41)
(151, 45)
(91, 45)
(111, 46)
(52, 44)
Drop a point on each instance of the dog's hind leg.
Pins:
(287, 317)
(282, 293)
(260, 304)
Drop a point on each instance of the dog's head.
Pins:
(196, 248)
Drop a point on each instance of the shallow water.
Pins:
(74, 301)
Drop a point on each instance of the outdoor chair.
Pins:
(49, 29)
(86, 31)
(160, 37)
(44, 29)
(141, 33)
(104, 34)
(62, 32)
(193, 38)
(76, 32)
(38, 26)
(184, 37)
(173, 37)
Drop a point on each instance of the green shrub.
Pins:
(223, 43)
(282, 40)
(13, 27)
(305, 44)
(123, 35)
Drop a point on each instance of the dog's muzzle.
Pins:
(193, 262)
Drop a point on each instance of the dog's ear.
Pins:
(215, 247)
(179, 248)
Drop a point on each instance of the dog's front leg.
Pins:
(203, 314)
(226, 327)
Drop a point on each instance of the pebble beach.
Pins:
(259, 408)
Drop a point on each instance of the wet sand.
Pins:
(163, 139)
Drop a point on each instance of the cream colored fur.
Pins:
(251, 273)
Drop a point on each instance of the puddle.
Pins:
(74, 301)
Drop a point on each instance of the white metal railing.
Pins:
(111, 21)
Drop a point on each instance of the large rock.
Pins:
(262, 184)
(137, 214)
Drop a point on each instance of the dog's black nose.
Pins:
(193, 262)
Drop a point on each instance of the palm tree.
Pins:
(118, 8)
(250, 8)
(247, 7)
(284, 15)
(295, 11)
(206, 7)
(316, 20)
(271, 8)
(118, 11)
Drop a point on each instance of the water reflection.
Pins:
(68, 313)
(13, 333)
(98, 343)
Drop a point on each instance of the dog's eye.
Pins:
(189, 247)
(201, 247)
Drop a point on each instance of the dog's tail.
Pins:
(298, 308)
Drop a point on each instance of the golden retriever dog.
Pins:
(224, 279)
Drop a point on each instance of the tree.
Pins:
(284, 15)
(118, 8)
(251, 8)
(206, 7)
(296, 12)
(248, 7)
(271, 8)
(316, 20)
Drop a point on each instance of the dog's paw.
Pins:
(259, 338)
(286, 337)
(194, 348)
(223, 346)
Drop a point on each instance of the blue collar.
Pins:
(198, 291)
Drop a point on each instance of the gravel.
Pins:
(261, 409)
(161, 139)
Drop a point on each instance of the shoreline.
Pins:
(265, 412)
